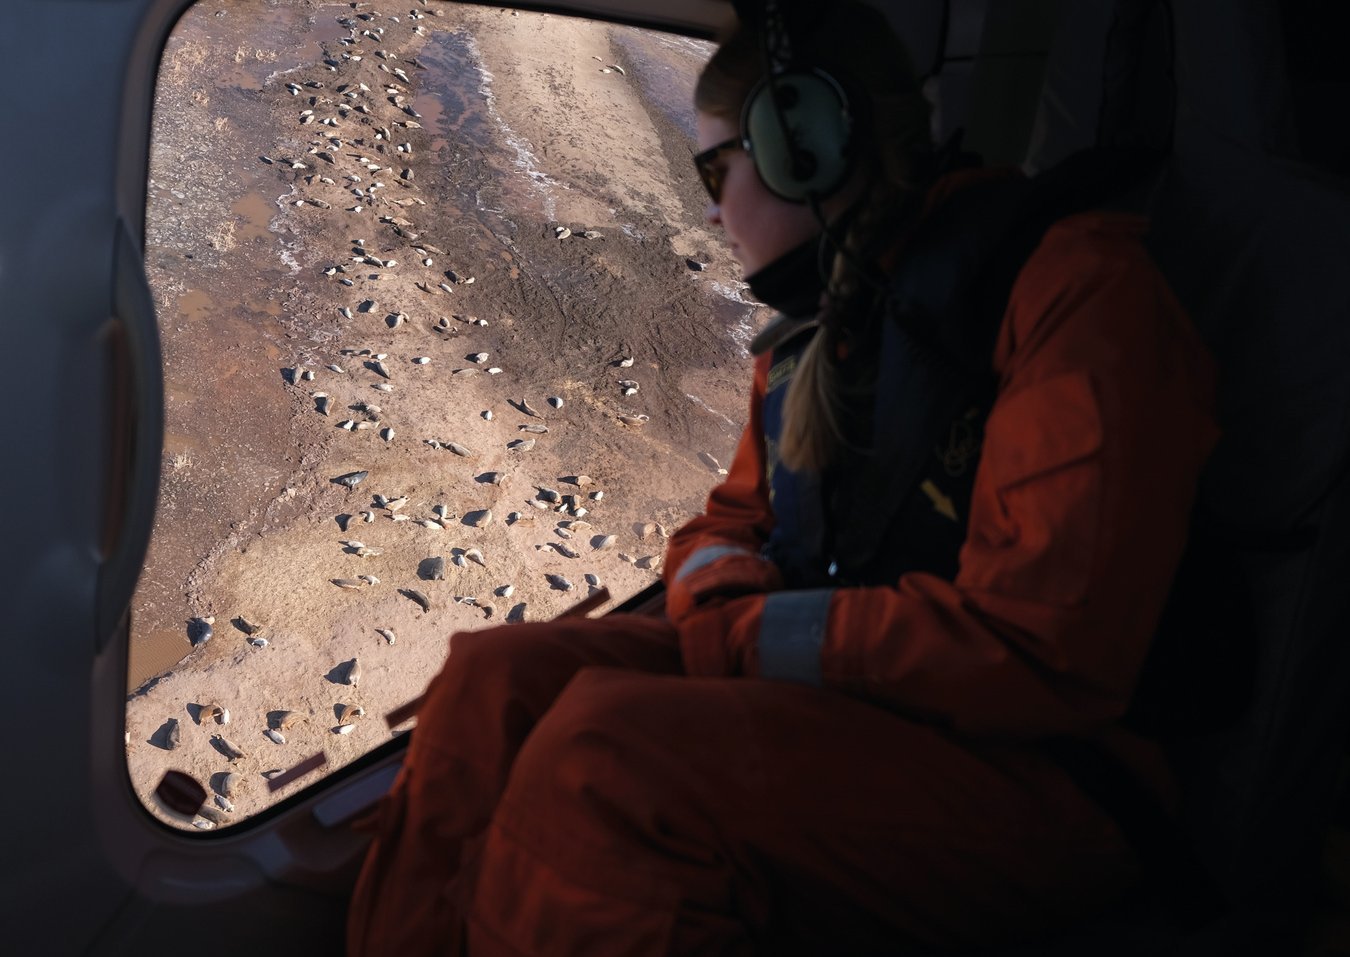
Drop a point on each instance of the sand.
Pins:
(524, 126)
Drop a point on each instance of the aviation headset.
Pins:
(796, 125)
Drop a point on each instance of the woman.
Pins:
(814, 753)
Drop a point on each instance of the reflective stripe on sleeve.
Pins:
(706, 556)
(791, 633)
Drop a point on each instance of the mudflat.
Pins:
(453, 250)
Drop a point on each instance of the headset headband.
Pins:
(777, 40)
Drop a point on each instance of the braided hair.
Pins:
(855, 44)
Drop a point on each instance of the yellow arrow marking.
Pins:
(941, 503)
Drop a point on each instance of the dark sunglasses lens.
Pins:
(712, 179)
(710, 171)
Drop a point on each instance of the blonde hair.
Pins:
(855, 45)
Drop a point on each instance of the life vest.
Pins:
(896, 507)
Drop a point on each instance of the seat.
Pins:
(1250, 232)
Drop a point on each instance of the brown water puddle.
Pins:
(176, 443)
(155, 652)
(252, 214)
(196, 305)
(432, 119)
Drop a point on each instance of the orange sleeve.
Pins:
(1079, 515)
(738, 511)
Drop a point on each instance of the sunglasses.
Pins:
(709, 171)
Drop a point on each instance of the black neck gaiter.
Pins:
(791, 283)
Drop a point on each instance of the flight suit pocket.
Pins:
(1036, 511)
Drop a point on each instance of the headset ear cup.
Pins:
(800, 145)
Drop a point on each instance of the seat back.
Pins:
(1252, 237)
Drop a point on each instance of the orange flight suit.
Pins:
(632, 785)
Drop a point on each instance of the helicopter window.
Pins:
(447, 344)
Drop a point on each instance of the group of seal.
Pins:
(356, 171)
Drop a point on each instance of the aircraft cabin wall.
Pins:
(89, 869)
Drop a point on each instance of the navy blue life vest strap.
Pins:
(797, 544)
